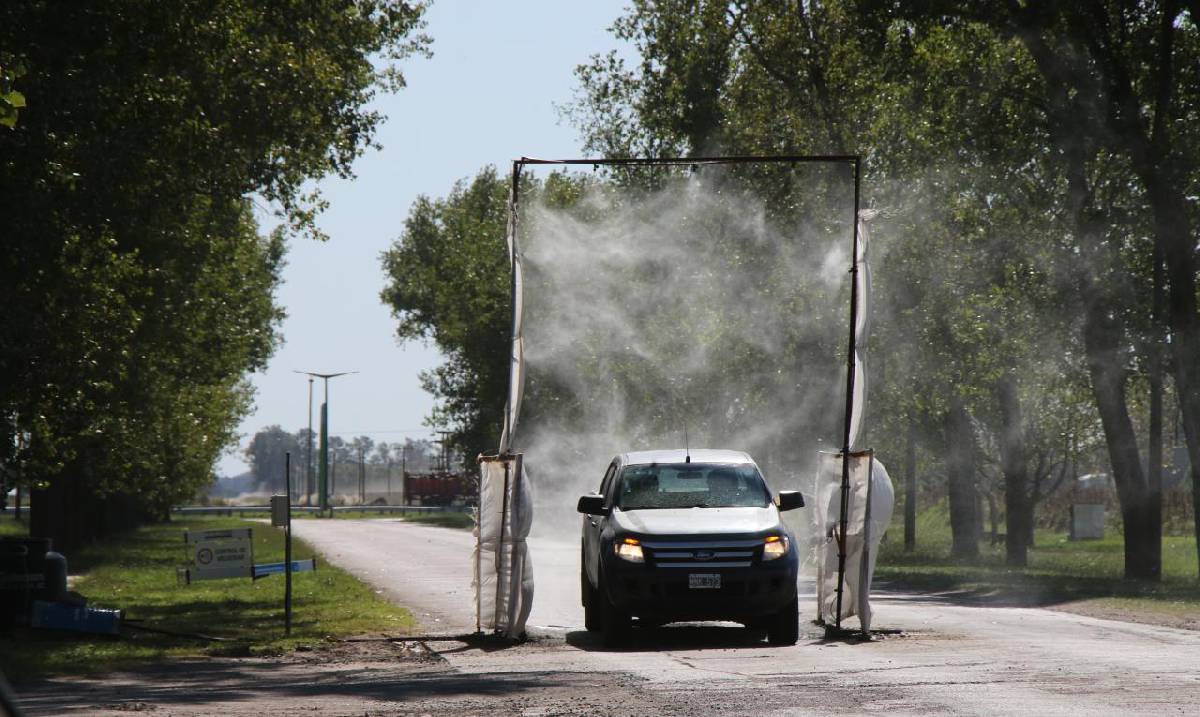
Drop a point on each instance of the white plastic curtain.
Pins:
(871, 497)
(869, 510)
(503, 572)
(516, 380)
(862, 327)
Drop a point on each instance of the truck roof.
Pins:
(678, 455)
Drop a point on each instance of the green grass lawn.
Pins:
(137, 573)
(1059, 570)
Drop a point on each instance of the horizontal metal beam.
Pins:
(688, 161)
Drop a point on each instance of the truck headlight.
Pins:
(775, 546)
(629, 549)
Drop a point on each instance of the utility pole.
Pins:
(444, 454)
(323, 487)
(362, 478)
(308, 456)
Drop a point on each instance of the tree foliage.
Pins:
(137, 287)
(1039, 152)
(449, 282)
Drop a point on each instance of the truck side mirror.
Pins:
(591, 504)
(790, 500)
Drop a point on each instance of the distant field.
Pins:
(137, 573)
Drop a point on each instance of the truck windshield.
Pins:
(691, 485)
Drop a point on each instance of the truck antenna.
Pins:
(687, 451)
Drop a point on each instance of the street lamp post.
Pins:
(323, 466)
(308, 476)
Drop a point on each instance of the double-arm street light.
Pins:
(323, 466)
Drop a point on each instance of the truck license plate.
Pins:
(703, 581)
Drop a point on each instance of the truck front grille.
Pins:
(702, 553)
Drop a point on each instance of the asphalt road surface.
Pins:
(938, 656)
(945, 658)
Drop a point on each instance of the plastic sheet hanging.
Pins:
(869, 510)
(503, 573)
(862, 326)
(516, 371)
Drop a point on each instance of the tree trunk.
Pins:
(1143, 535)
(1015, 467)
(910, 489)
(1173, 236)
(1154, 361)
(71, 514)
(960, 465)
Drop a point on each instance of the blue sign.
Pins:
(298, 566)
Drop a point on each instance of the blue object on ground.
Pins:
(57, 616)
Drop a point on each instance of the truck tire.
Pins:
(785, 626)
(615, 624)
(593, 619)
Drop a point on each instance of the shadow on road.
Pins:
(196, 683)
(684, 636)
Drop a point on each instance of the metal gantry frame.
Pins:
(855, 161)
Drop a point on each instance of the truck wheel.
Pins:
(615, 624)
(593, 620)
(785, 626)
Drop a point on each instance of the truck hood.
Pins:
(697, 521)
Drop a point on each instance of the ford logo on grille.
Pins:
(703, 555)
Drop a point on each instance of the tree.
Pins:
(1021, 127)
(267, 455)
(138, 290)
(1120, 80)
(448, 281)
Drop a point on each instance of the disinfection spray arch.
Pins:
(854, 494)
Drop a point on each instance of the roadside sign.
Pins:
(217, 554)
(280, 513)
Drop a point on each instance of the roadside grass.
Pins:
(9, 525)
(137, 573)
(1060, 571)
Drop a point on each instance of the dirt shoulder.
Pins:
(1181, 616)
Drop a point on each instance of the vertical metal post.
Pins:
(308, 455)
(500, 543)
(515, 506)
(850, 367)
(323, 467)
(287, 547)
(864, 563)
(478, 543)
(362, 479)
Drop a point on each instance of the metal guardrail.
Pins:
(380, 509)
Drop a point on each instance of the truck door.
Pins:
(592, 526)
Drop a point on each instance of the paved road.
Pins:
(947, 659)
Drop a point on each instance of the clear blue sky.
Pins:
(487, 96)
